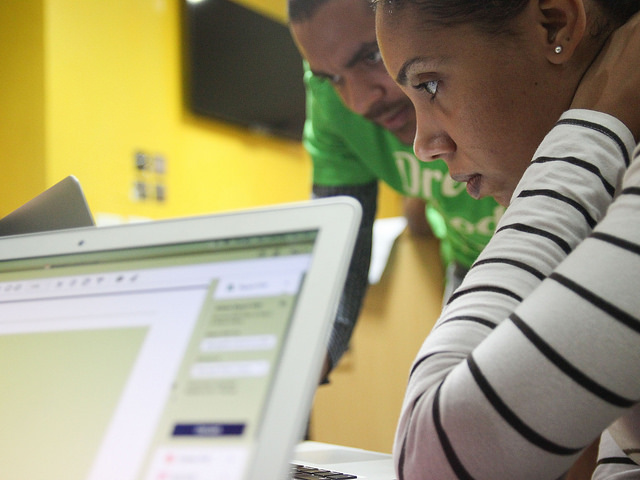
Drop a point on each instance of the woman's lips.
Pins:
(473, 186)
(474, 183)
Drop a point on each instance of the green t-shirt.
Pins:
(347, 149)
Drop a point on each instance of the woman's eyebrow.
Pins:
(402, 78)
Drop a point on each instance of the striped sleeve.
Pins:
(470, 409)
(613, 462)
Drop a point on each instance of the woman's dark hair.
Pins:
(619, 10)
(494, 16)
(616, 13)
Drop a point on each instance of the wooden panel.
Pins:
(360, 406)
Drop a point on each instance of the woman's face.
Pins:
(483, 104)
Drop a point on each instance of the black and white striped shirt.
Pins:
(509, 389)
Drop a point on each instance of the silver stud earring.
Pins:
(558, 49)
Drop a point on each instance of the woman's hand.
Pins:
(612, 83)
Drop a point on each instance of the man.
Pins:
(360, 128)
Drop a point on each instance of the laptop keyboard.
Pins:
(300, 472)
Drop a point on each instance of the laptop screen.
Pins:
(144, 363)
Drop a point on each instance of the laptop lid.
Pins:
(59, 207)
(188, 348)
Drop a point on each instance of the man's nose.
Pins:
(359, 93)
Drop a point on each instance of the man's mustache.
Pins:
(382, 109)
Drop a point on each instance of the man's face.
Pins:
(339, 42)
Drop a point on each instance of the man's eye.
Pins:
(335, 80)
(431, 87)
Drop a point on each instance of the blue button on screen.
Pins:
(208, 429)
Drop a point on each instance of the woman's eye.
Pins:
(374, 57)
(431, 87)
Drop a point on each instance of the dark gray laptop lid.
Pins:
(60, 207)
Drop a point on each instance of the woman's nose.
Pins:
(431, 143)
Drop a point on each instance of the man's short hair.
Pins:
(302, 10)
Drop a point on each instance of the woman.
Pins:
(520, 398)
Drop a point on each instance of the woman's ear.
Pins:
(564, 24)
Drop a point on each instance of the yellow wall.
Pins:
(91, 83)
(22, 147)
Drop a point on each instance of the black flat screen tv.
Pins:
(242, 67)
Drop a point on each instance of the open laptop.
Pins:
(323, 459)
(180, 349)
(59, 207)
